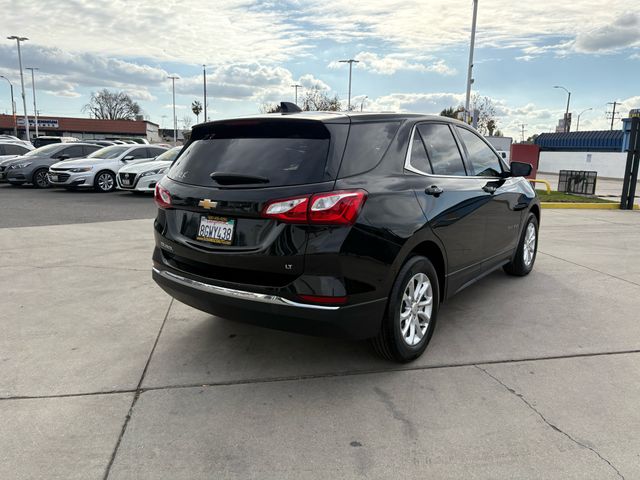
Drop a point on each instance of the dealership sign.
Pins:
(42, 123)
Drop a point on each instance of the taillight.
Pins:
(293, 210)
(336, 208)
(333, 208)
(162, 197)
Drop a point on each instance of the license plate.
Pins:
(53, 178)
(125, 181)
(216, 230)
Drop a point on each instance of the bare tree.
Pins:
(108, 105)
(487, 122)
(315, 99)
(196, 108)
(187, 121)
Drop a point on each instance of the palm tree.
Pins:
(196, 108)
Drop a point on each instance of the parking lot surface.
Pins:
(102, 375)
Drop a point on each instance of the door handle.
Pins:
(433, 190)
(490, 189)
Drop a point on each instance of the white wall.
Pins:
(607, 164)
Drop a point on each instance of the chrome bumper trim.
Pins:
(240, 294)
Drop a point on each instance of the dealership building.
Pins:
(83, 128)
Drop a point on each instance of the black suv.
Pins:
(346, 224)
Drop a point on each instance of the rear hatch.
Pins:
(223, 179)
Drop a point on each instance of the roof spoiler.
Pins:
(288, 107)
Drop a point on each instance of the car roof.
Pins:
(336, 117)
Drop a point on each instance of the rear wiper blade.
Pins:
(224, 178)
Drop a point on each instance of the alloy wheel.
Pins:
(105, 182)
(41, 179)
(529, 249)
(415, 309)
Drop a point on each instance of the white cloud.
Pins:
(391, 63)
(623, 32)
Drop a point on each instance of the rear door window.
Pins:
(88, 149)
(484, 162)
(282, 152)
(442, 149)
(366, 145)
(139, 153)
(71, 152)
(15, 150)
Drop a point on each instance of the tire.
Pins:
(391, 343)
(40, 179)
(525, 256)
(104, 182)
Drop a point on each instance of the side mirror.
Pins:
(520, 169)
(63, 156)
(127, 158)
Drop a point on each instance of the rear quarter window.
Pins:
(366, 145)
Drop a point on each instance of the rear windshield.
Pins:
(283, 153)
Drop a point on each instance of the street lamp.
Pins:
(578, 123)
(351, 61)
(566, 115)
(470, 68)
(33, 86)
(362, 102)
(24, 101)
(296, 87)
(13, 106)
(173, 79)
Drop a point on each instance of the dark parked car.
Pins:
(355, 225)
(34, 166)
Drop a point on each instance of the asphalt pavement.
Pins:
(102, 375)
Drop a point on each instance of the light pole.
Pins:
(362, 102)
(296, 87)
(33, 86)
(204, 84)
(578, 122)
(566, 115)
(13, 106)
(24, 101)
(470, 68)
(351, 61)
(175, 120)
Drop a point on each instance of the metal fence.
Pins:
(577, 181)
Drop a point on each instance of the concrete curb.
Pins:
(585, 206)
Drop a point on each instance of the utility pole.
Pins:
(175, 120)
(204, 77)
(24, 101)
(613, 113)
(33, 87)
(13, 107)
(296, 87)
(522, 127)
(470, 68)
(351, 61)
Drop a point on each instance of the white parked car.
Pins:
(12, 149)
(99, 170)
(142, 177)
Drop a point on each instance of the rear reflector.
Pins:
(162, 197)
(324, 300)
(332, 208)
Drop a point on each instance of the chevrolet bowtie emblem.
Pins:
(208, 204)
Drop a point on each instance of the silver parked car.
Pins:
(99, 170)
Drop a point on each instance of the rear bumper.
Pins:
(357, 321)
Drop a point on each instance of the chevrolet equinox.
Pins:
(345, 224)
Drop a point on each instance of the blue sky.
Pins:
(412, 54)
